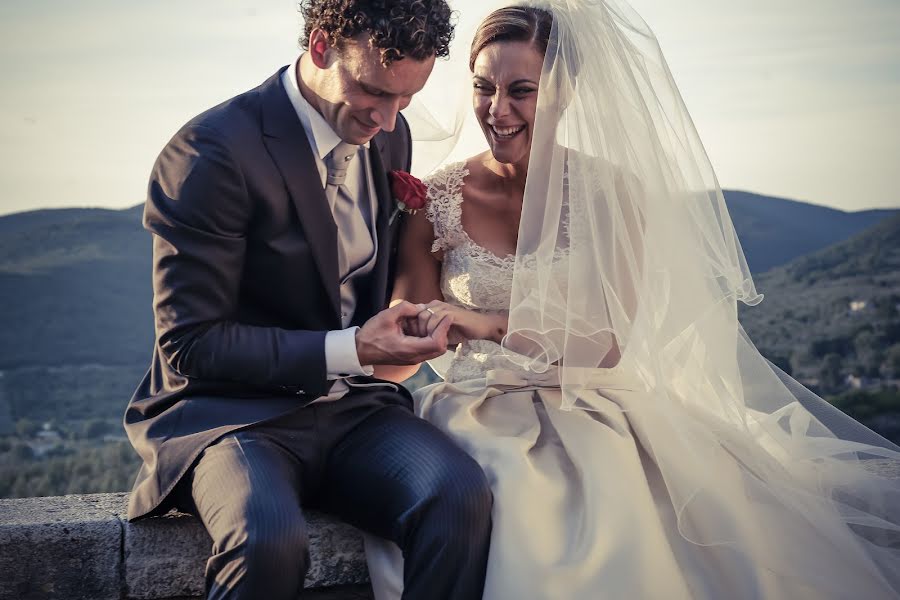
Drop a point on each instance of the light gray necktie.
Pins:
(354, 238)
(351, 215)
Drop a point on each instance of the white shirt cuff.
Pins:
(341, 359)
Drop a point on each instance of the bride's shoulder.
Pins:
(444, 197)
(444, 188)
(596, 168)
(447, 178)
(580, 164)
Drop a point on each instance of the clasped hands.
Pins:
(408, 334)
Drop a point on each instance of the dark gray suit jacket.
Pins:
(245, 280)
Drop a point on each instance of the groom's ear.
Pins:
(319, 45)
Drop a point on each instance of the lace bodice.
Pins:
(471, 276)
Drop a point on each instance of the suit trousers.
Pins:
(365, 458)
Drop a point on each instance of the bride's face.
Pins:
(505, 88)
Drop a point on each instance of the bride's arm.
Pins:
(418, 279)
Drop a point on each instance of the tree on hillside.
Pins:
(780, 361)
(892, 360)
(26, 428)
(830, 378)
(869, 354)
(95, 428)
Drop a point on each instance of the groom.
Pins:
(272, 258)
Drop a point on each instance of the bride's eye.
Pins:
(519, 92)
(481, 87)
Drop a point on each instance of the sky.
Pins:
(797, 99)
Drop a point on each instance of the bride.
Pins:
(637, 444)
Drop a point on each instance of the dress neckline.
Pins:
(462, 166)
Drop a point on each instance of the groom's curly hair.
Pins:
(398, 28)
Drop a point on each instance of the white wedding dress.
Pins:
(580, 508)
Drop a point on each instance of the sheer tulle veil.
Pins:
(627, 261)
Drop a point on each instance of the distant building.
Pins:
(858, 305)
(855, 382)
(859, 382)
(45, 440)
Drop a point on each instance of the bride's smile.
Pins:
(505, 80)
(506, 133)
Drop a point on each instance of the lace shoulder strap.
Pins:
(444, 208)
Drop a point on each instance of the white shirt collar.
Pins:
(322, 137)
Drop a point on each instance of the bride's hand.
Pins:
(467, 324)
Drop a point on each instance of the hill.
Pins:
(75, 288)
(774, 231)
(842, 302)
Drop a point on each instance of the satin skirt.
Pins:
(582, 510)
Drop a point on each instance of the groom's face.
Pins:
(360, 96)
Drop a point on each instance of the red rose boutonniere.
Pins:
(409, 193)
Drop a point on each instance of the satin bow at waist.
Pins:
(588, 379)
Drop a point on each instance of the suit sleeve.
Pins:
(199, 209)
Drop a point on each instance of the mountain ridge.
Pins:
(76, 283)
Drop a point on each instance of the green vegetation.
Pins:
(864, 405)
(878, 409)
(64, 430)
(834, 313)
(68, 468)
(69, 394)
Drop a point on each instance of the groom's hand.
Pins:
(383, 341)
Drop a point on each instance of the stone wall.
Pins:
(82, 547)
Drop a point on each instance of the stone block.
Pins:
(82, 547)
(337, 556)
(165, 557)
(59, 547)
(343, 592)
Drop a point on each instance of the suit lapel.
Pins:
(286, 140)
(384, 231)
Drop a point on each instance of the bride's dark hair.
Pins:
(513, 24)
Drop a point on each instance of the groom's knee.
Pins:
(462, 503)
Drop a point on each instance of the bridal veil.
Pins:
(627, 260)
